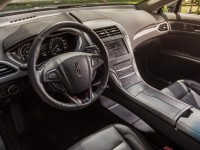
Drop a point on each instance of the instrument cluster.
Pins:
(52, 46)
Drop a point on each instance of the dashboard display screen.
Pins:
(116, 48)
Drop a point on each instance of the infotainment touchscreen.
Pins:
(116, 48)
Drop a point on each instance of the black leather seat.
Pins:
(113, 137)
(185, 90)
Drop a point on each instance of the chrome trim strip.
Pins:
(126, 76)
(125, 68)
(150, 30)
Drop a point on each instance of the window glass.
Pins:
(187, 7)
(170, 7)
(33, 4)
(190, 7)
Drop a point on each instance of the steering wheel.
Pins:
(70, 73)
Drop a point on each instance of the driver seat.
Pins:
(113, 137)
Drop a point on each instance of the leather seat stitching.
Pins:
(194, 98)
(120, 136)
(128, 135)
(136, 139)
(155, 108)
(185, 94)
(118, 145)
(192, 128)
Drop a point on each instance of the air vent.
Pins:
(6, 70)
(163, 27)
(22, 19)
(108, 32)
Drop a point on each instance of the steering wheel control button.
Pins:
(95, 62)
(53, 75)
(84, 101)
(92, 49)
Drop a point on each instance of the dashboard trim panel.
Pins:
(12, 65)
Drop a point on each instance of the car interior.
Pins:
(100, 76)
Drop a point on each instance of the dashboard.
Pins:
(55, 44)
(121, 29)
(119, 36)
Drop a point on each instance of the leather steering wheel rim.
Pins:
(35, 79)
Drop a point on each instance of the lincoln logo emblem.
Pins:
(77, 68)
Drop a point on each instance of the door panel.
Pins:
(178, 57)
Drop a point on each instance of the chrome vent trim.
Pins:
(108, 32)
(6, 69)
(163, 27)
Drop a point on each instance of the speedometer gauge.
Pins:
(24, 51)
(57, 45)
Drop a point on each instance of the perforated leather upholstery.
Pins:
(113, 137)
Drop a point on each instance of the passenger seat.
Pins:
(187, 91)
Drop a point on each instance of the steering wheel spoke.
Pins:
(80, 101)
(39, 71)
(73, 99)
(89, 93)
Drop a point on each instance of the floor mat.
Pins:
(52, 129)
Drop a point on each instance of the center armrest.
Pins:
(190, 124)
(167, 108)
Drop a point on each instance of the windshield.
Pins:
(14, 5)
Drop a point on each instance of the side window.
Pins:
(190, 7)
(186, 7)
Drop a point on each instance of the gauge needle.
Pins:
(55, 47)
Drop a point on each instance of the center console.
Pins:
(127, 81)
(116, 48)
(121, 61)
(180, 119)
(166, 114)
(120, 54)
(125, 78)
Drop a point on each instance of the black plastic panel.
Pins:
(184, 27)
(32, 29)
